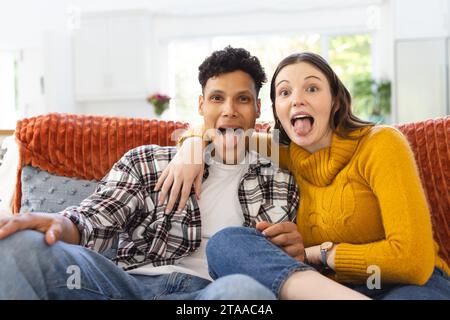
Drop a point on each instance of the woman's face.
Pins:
(303, 104)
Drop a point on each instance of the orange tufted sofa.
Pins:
(86, 147)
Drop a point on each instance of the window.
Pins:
(184, 59)
(8, 89)
(349, 55)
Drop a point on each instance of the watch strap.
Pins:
(323, 255)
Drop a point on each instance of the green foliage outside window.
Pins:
(373, 99)
(350, 56)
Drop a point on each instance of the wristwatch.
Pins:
(324, 248)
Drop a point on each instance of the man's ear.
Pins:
(258, 108)
(200, 105)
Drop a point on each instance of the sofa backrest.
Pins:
(430, 143)
(86, 147)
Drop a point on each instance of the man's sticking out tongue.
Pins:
(303, 126)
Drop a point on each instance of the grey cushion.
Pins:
(45, 192)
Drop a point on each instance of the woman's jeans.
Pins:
(240, 250)
(30, 269)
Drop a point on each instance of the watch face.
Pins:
(326, 245)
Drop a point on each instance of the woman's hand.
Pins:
(185, 169)
(285, 235)
(315, 257)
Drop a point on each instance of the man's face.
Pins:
(230, 106)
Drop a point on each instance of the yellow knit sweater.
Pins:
(365, 195)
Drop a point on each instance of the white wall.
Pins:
(58, 72)
(31, 99)
(421, 19)
(383, 43)
(23, 22)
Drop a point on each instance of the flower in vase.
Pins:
(160, 102)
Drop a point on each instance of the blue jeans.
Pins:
(30, 269)
(436, 288)
(240, 250)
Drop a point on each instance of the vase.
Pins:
(160, 108)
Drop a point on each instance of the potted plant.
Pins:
(372, 98)
(160, 102)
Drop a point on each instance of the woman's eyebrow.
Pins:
(313, 77)
(280, 82)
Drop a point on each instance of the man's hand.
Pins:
(55, 227)
(285, 235)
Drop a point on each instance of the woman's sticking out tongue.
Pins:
(302, 127)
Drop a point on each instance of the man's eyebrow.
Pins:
(216, 91)
(245, 92)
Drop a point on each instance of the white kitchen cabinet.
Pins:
(416, 19)
(421, 79)
(111, 56)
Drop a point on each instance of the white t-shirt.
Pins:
(219, 208)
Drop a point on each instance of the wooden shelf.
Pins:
(6, 132)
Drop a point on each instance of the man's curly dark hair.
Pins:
(231, 59)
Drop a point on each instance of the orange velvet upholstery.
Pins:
(430, 142)
(86, 147)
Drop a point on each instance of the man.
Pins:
(160, 255)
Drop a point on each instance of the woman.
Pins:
(363, 213)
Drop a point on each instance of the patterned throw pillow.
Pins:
(45, 192)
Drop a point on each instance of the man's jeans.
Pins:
(30, 269)
(240, 250)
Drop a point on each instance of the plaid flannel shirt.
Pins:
(123, 209)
